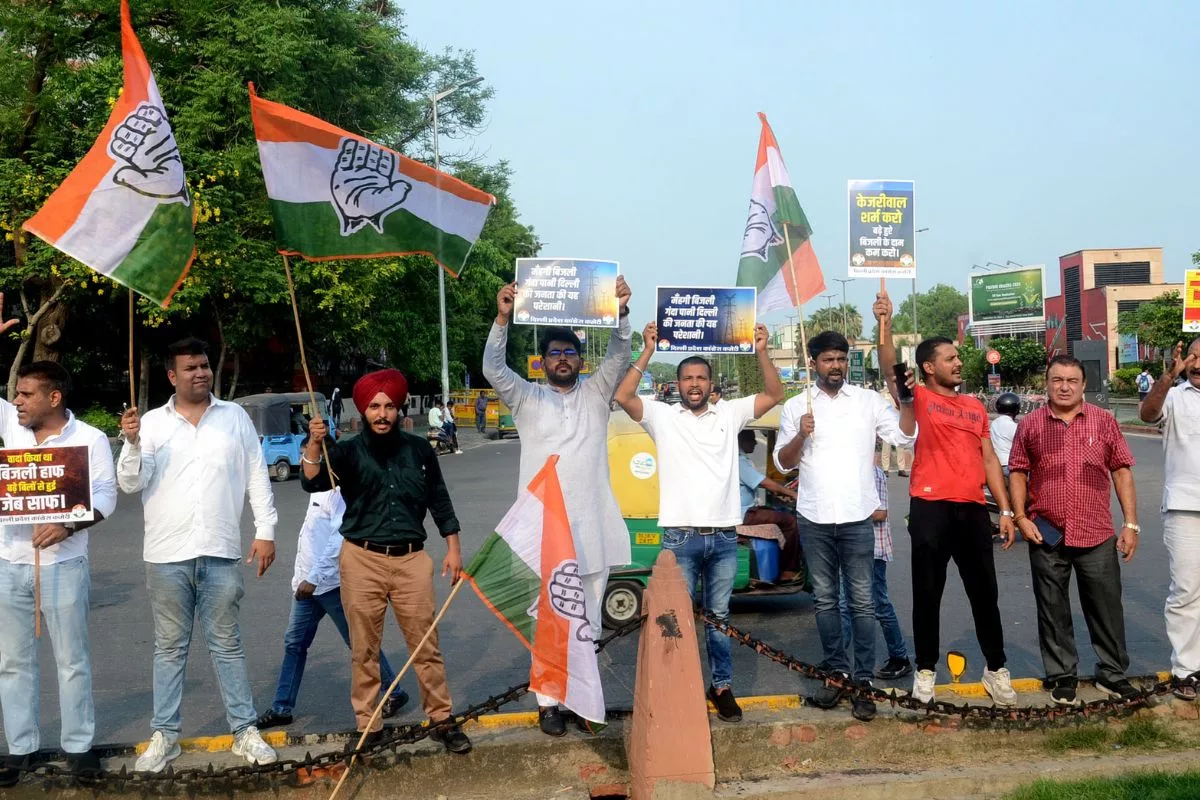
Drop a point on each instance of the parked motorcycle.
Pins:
(440, 441)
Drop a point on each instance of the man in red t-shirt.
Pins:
(948, 518)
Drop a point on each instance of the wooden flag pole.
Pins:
(787, 242)
(312, 396)
(396, 682)
(132, 385)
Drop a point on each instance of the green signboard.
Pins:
(858, 373)
(1013, 295)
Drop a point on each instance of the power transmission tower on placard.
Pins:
(726, 310)
(592, 292)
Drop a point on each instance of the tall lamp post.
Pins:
(914, 294)
(845, 325)
(437, 165)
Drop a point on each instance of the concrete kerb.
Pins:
(780, 739)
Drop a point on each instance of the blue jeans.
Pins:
(838, 552)
(212, 589)
(885, 613)
(710, 559)
(302, 628)
(65, 588)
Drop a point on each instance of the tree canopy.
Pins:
(938, 311)
(349, 62)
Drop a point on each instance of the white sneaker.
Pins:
(458, 452)
(999, 685)
(923, 683)
(160, 753)
(249, 745)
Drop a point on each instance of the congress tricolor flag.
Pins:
(337, 195)
(528, 575)
(765, 264)
(124, 210)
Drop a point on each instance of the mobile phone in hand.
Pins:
(901, 371)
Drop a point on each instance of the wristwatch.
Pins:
(1007, 513)
(70, 528)
(1137, 529)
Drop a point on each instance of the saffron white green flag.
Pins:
(528, 575)
(337, 195)
(783, 279)
(124, 210)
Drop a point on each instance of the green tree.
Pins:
(846, 320)
(1157, 323)
(1021, 360)
(346, 61)
(938, 311)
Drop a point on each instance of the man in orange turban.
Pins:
(390, 480)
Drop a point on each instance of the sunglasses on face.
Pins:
(569, 352)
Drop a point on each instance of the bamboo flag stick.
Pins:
(132, 385)
(787, 242)
(396, 682)
(312, 397)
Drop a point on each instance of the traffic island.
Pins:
(781, 749)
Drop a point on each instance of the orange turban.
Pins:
(389, 381)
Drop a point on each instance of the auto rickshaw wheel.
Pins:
(281, 471)
(622, 603)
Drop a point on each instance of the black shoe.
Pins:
(86, 766)
(728, 709)
(826, 697)
(373, 738)
(454, 739)
(903, 473)
(13, 767)
(1063, 692)
(551, 721)
(894, 669)
(272, 719)
(392, 706)
(862, 709)
(1121, 689)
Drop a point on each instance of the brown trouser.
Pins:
(791, 558)
(369, 582)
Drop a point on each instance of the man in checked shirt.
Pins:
(1060, 466)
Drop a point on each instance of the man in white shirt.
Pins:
(194, 460)
(831, 437)
(569, 418)
(316, 593)
(38, 418)
(699, 500)
(1004, 426)
(435, 417)
(1177, 410)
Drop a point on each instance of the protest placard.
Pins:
(882, 243)
(706, 319)
(566, 291)
(45, 484)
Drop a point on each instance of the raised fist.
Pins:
(145, 147)
(366, 185)
(566, 596)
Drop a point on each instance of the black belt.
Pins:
(387, 549)
(703, 531)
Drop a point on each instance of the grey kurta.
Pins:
(574, 426)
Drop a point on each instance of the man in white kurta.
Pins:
(568, 417)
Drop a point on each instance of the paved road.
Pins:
(484, 658)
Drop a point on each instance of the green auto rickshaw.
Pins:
(633, 468)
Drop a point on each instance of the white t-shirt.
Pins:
(435, 417)
(1003, 429)
(697, 462)
(1180, 422)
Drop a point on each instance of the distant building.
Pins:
(1098, 286)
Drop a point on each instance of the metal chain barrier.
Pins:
(257, 777)
(1018, 716)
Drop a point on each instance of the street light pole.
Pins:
(845, 325)
(829, 305)
(437, 165)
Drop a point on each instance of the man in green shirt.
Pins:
(390, 480)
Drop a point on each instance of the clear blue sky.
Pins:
(1032, 129)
